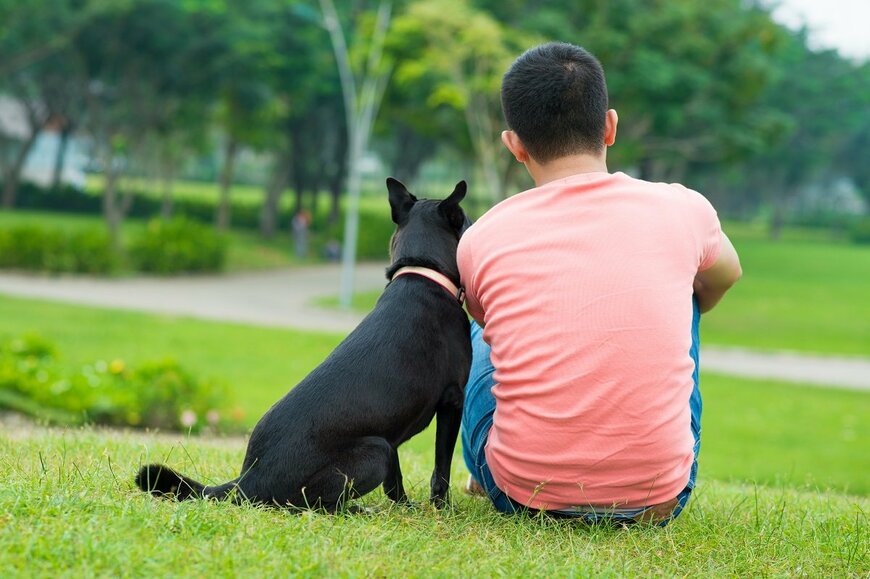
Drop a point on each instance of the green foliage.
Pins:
(709, 91)
(859, 232)
(155, 394)
(177, 245)
(37, 248)
(144, 203)
(375, 231)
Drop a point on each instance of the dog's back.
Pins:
(335, 434)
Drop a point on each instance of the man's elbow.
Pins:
(736, 274)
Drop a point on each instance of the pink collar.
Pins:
(439, 278)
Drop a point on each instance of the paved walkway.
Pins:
(280, 298)
(283, 298)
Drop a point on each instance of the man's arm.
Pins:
(712, 283)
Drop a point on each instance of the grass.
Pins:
(782, 490)
(182, 189)
(69, 508)
(258, 364)
(800, 293)
(246, 250)
(782, 434)
(755, 431)
(373, 197)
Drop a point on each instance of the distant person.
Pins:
(300, 224)
(587, 291)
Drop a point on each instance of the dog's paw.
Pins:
(440, 501)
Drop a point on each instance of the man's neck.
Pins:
(565, 167)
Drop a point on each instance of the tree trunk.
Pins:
(167, 204)
(337, 178)
(60, 156)
(315, 197)
(271, 204)
(412, 150)
(13, 174)
(485, 145)
(222, 218)
(111, 206)
(298, 165)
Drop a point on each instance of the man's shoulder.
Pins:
(503, 211)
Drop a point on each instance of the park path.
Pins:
(283, 298)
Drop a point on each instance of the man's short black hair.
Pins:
(554, 98)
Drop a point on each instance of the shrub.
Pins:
(143, 205)
(375, 231)
(177, 245)
(157, 394)
(859, 232)
(36, 248)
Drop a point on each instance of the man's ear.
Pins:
(610, 123)
(513, 143)
(401, 200)
(450, 208)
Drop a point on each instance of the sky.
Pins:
(840, 24)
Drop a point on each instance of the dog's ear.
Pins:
(401, 200)
(450, 209)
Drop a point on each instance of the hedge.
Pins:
(36, 248)
(374, 232)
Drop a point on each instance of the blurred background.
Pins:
(251, 140)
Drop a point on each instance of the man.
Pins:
(588, 290)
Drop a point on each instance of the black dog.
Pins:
(334, 436)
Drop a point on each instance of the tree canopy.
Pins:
(711, 92)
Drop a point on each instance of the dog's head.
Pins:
(427, 231)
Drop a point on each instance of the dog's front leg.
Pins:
(449, 417)
(393, 486)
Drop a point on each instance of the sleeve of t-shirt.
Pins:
(705, 224)
(465, 261)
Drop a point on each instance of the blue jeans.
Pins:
(477, 420)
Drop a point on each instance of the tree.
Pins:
(362, 94)
(460, 54)
(825, 101)
(37, 115)
(309, 141)
(39, 72)
(146, 66)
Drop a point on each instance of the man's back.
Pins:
(585, 288)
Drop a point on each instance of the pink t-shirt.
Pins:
(584, 286)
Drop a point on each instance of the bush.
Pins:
(156, 394)
(375, 231)
(177, 245)
(143, 206)
(35, 248)
(859, 232)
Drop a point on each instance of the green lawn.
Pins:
(374, 197)
(258, 364)
(68, 508)
(782, 489)
(248, 194)
(755, 431)
(801, 293)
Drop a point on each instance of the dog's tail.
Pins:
(162, 481)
